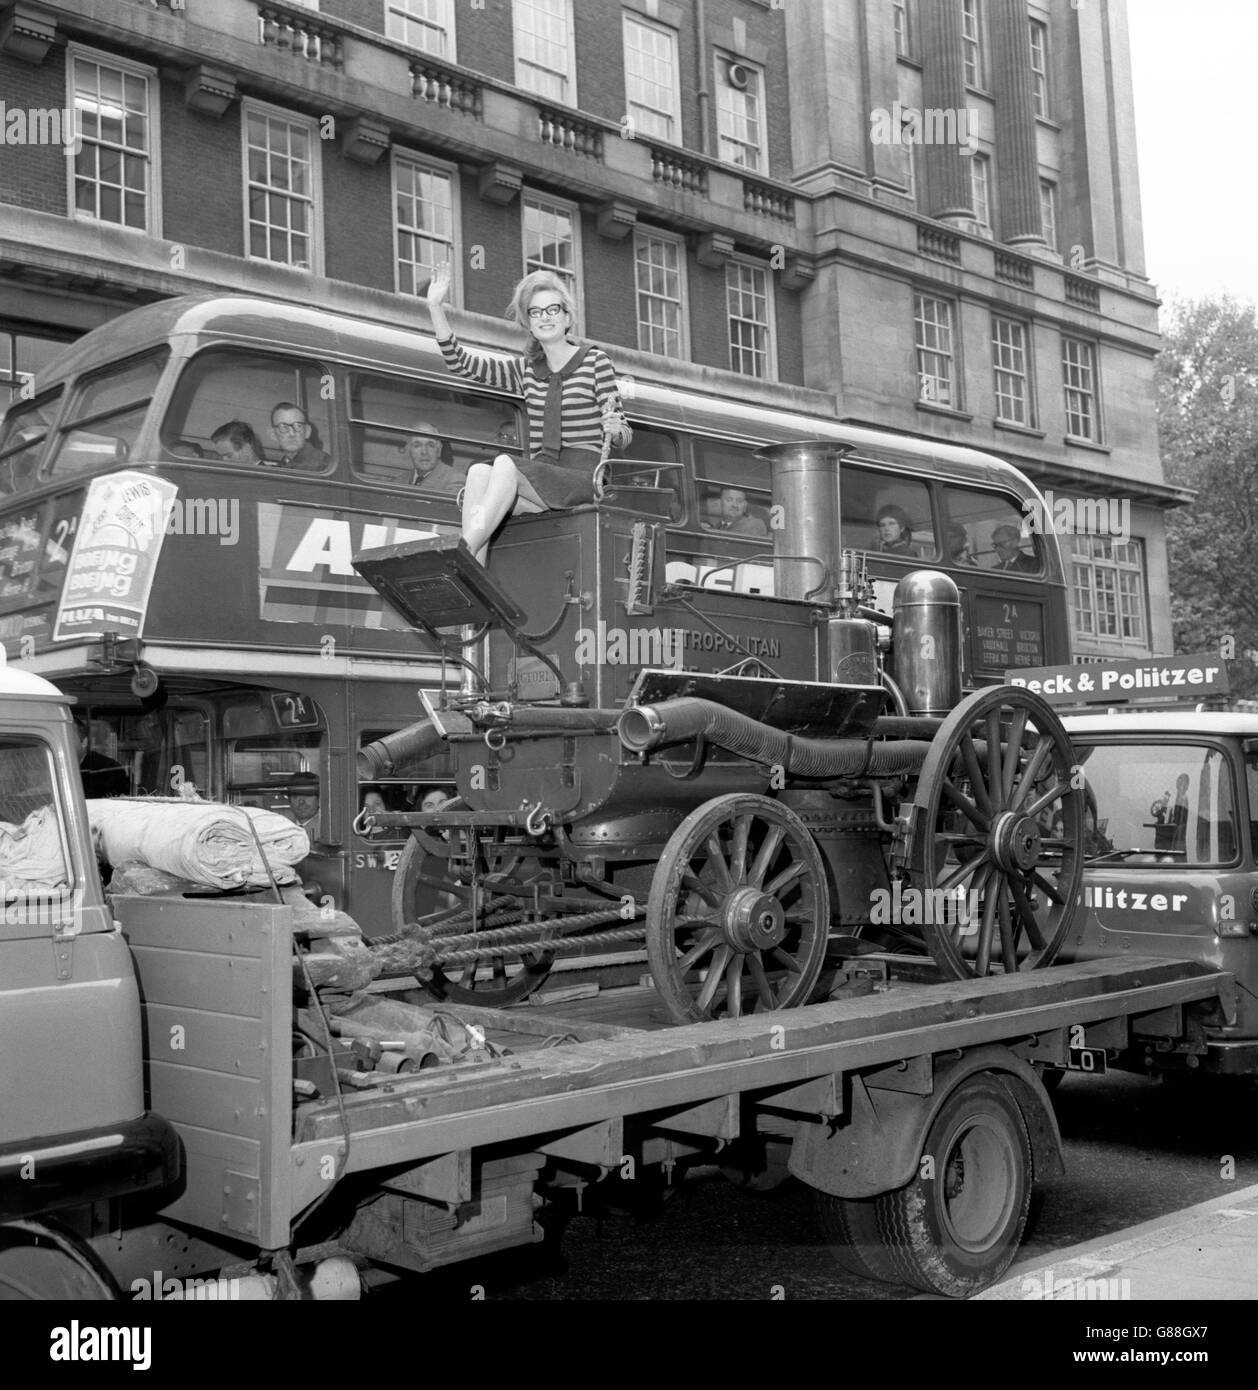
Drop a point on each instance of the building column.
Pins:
(1017, 158)
(947, 172)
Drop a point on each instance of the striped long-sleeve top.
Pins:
(586, 393)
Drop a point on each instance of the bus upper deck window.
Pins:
(107, 412)
(226, 408)
(988, 532)
(886, 514)
(23, 440)
(412, 433)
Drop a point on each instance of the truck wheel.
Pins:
(850, 1225)
(38, 1264)
(957, 1231)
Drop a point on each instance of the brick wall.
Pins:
(33, 176)
(357, 219)
(202, 179)
(484, 38)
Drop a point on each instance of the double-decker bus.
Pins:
(197, 594)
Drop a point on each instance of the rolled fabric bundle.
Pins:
(201, 841)
(30, 853)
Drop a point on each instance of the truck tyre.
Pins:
(39, 1263)
(955, 1228)
(850, 1224)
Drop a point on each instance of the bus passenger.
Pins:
(734, 515)
(373, 805)
(101, 775)
(958, 538)
(235, 442)
(290, 427)
(572, 399)
(895, 535)
(431, 472)
(1009, 552)
(303, 801)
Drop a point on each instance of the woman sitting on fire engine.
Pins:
(569, 390)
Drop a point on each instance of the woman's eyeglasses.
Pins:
(548, 311)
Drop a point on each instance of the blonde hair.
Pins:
(518, 309)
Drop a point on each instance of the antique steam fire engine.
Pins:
(742, 779)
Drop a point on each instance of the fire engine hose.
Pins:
(412, 744)
(646, 727)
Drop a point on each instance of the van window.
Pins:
(106, 414)
(34, 862)
(390, 416)
(227, 385)
(1160, 803)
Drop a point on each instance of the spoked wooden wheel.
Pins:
(997, 888)
(423, 890)
(738, 911)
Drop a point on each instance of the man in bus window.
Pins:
(1009, 552)
(303, 801)
(290, 428)
(958, 538)
(431, 472)
(235, 442)
(734, 515)
(101, 775)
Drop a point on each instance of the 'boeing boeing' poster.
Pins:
(115, 554)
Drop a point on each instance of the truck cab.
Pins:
(1171, 856)
(73, 1124)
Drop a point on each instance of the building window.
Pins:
(545, 61)
(425, 217)
(1039, 66)
(1109, 590)
(651, 86)
(552, 241)
(1011, 372)
(981, 191)
(114, 177)
(749, 306)
(739, 119)
(424, 24)
(973, 48)
(1048, 212)
(903, 21)
(281, 188)
(660, 273)
(936, 368)
(1078, 364)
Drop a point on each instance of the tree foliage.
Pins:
(1208, 433)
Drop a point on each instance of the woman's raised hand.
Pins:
(439, 285)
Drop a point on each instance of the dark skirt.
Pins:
(566, 482)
